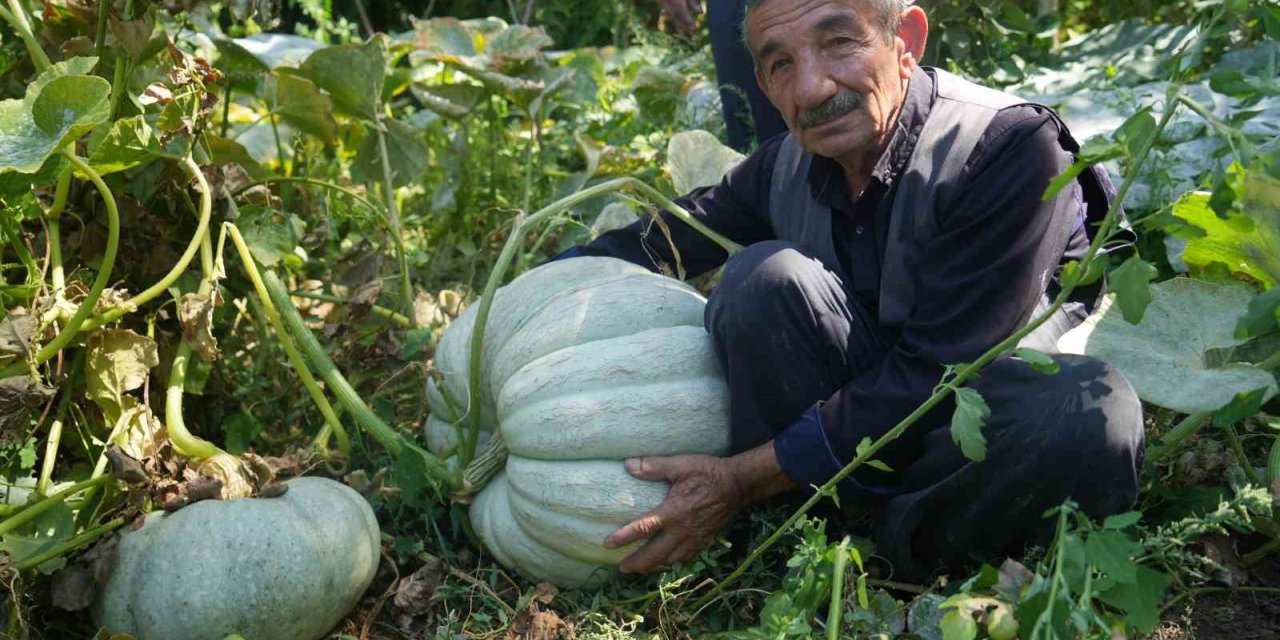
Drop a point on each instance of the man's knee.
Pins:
(761, 284)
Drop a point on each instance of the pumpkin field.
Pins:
(284, 354)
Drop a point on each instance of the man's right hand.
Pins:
(682, 13)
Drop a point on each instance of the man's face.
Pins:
(832, 73)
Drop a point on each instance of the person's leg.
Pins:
(746, 109)
(787, 336)
(1075, 435)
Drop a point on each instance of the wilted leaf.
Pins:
(18, 395)
(17, 330)
(516, 44)
(125, 467)
(118, 361)
(1131, 283)
(270, 234)
(1164, 356)
(133, 35)
(444, 36)
(195, 311)
(415, 595)
(136, 430)
(353, 74)
(72, 589)
(971, 415)
(302, 105)
(697, 159)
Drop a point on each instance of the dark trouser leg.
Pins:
(744, 103)
(1073, 435)
(787, 336)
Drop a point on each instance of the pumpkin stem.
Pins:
(486, 465)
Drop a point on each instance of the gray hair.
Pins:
(888, 17)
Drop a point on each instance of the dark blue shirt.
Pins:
(992, 261)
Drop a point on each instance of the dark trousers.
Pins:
(747, 112)
(788, 335)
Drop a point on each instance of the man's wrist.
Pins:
(755, 475)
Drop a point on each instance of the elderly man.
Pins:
(898, 227)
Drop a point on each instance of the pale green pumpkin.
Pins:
(586, 362)
(285, 568)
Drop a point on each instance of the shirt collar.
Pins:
(826, 180)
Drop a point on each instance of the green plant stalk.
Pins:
(53, 218)
(509, 249)
(295, 358)
(315, 182)
(16, 16)
(347, 396)
(202, 231)
(100, 36)
(393, 221)
(384, 312)
(1183, 430)
(965, 373)
(31, 512)
(55, 435)
(1233, 439)
(185, 442)
(837, 591)
(69, 330)
(1273, 465)
(1060, 557)
(71, 545)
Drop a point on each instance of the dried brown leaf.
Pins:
(196, 314)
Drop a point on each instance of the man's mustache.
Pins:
(840, 104)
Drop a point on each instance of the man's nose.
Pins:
(814, 85)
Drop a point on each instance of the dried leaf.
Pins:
(124, 467)
(119, 361)
(17, 330)
(156, 93)
(416, 594)
(196, 314)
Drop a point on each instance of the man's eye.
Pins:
(778, 65)
(840, 42)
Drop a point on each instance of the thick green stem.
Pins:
(295, 358)
(384, 312)
(71, 545)
(33, 511)
(965, 373)
(837, 591)
(53, 218)
(69, 330)
(393, 220)
(183, 440)
(16, 16)
(55, 434)
(1233, 439)
(1176, 435)
(202, 231)
(347, 396)
(100, 36)
(522, 224)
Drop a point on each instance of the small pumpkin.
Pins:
(586, 362)
(283, 568)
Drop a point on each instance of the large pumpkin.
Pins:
(285, 568)
(586, 362)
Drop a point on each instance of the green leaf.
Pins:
(1262, 316)
(301, 104)
(1247, 241)
(50, 529)
(127, 144)
(406, 149)
(55, 112)
(959, 624)
(1245, 405)
(697, 159)
(1139, 600)
(517, 43)
(1167, 357)
(270, 234)
(1131, 283)
(1038, 360)
(1137, 132)
(874, 464)
(353, 74)
(1113, 552)
(971, 415)
(242, 430)
(1122, 520)
(444, 36)
(80, 66)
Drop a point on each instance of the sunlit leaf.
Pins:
(1164, 357)
(301, 104)
(444, 36)
(697, 159)
(353, 74)
(127, 144)
(118, 361)
(270, 234)
(1247, 242)
(55, 112)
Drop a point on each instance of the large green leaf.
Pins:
(353, 74)
(55, 112)
(128, 143)
(270, 234)
(1164, 357)
(302, 105)
(697, 159)
(1247, 241)
(444, 36)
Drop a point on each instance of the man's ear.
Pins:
(914, 34)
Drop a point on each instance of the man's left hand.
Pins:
(704, 497)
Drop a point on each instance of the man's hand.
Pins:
(704, 497)
(682, 13)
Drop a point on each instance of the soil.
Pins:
(1222, 617)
